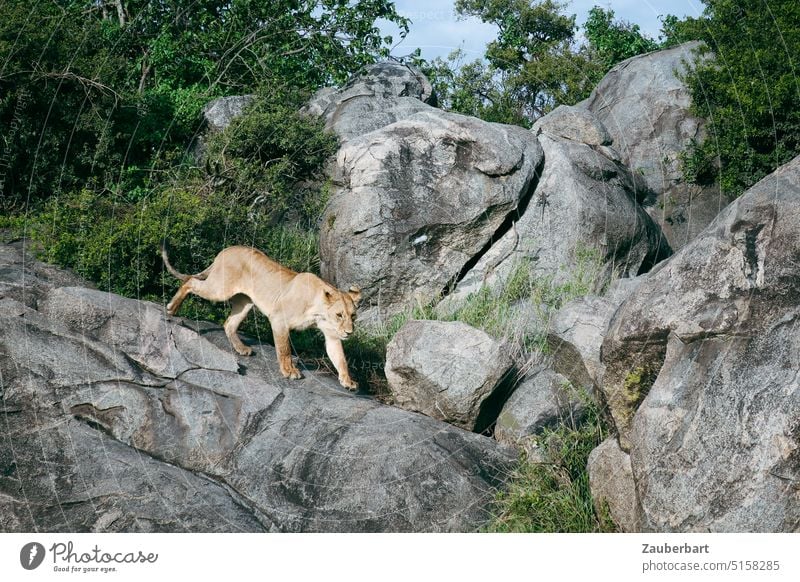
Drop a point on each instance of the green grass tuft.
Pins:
(549, 489)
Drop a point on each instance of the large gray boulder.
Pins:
(644, 104)
(380, 95)
(702, 371)
(543, 399)
(583, 214)
(449, 371)
(119, 419)
(417, 200)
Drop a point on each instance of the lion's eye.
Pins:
(339, 316)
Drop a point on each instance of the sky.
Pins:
(436, 31)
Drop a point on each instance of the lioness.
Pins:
(290, 300)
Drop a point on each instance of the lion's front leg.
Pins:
(333, 345)
(284, 351)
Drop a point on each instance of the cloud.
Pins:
(437, 31)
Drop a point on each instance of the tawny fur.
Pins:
(245, 276)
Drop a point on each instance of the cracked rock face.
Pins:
(645, 107)
(117, 419)
(583, 214)
(574, 336)
(416, 200)
(702, 371)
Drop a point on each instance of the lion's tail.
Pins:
(169, 267)
(174, 272)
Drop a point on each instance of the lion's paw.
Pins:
(349, 383)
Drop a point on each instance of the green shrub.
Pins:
(265, 189)
(748, 92)
(270, 159)
(116, 244)
(551, 493)
(85, 94)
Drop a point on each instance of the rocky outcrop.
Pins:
(543, 399)
(416, 201)
(380, 95)
(429, 203)
(119, 419)
(702, 371)
(644, 104)
(583, 213)
(449, 371)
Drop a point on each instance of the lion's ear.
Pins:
(355, 294)
(328, 296)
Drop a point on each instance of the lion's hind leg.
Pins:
(240, 307)
(175, 304)
(205, 288)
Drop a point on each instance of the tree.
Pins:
(749, 91)
(613, 41)
(536, 62)
(528, 35)
(473, 88)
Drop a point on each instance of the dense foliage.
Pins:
(612, 41)
(101, 103)
(107, 94)
(270, 160)
(260, 186)
(749, 91)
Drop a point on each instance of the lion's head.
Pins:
(339, 311)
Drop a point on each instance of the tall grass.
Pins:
(549, 489)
